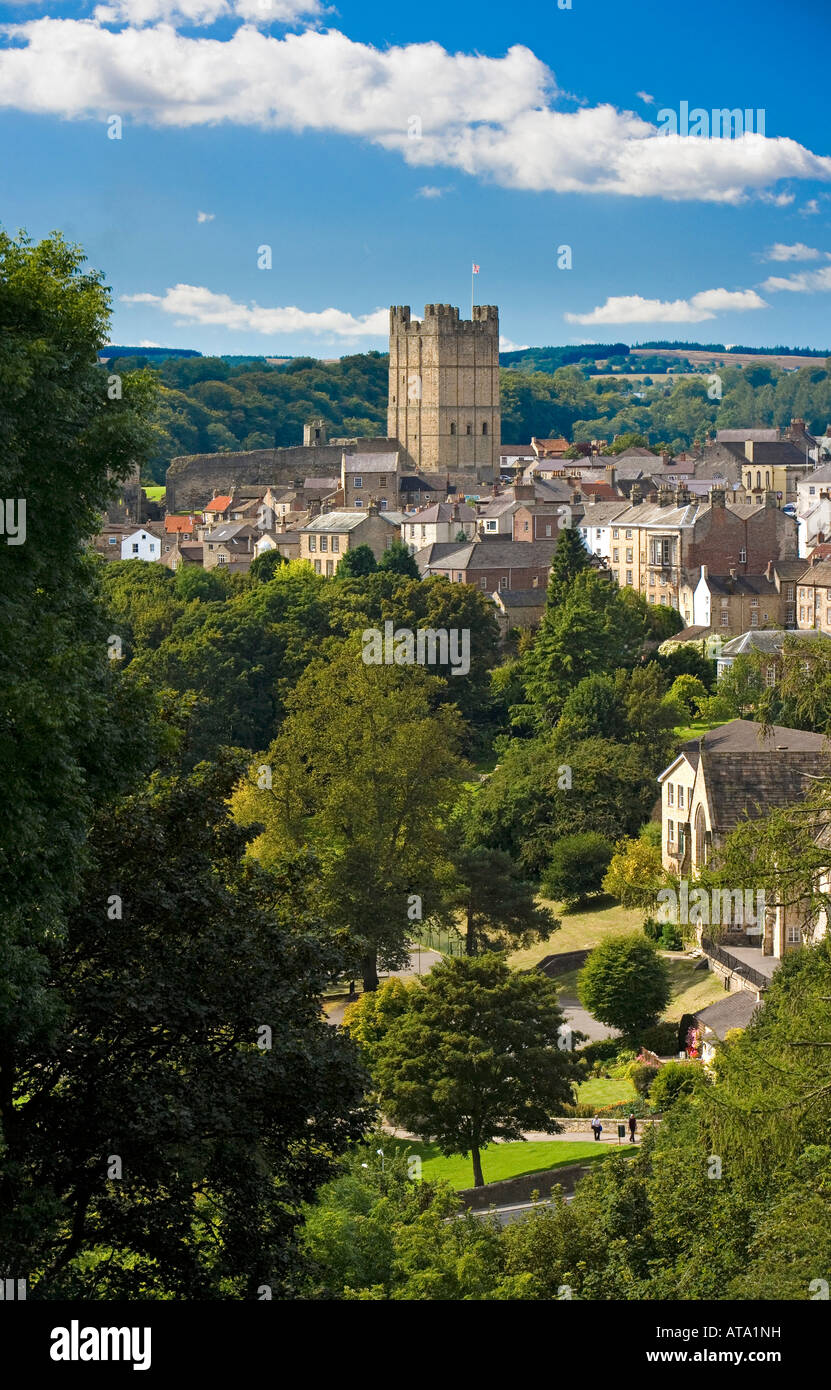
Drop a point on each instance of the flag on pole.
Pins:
(475, 268)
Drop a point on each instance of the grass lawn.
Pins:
(689, 731)
(155, 493)
(500, 1160)
(602, 1093)
(580, 930)
(691, 989)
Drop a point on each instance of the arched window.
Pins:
(767, 477)
(700, 838)
(469, 429)
(758, 477)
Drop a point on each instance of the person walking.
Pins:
(596, 1127)
(633, 1125)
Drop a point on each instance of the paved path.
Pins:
(609, 1135)
(421, 962)
(582, 1022)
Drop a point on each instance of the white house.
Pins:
(141, 545)
(595, 526)
(813, 508)
(436, 525)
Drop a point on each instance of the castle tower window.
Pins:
(469, 430)
(484, 426)
(452, 426)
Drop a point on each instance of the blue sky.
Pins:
(287, 124)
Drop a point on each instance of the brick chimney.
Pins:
(771, 500)
(636, 495)
(611, 474)
(717, 497)
(665, 457)
(682, 495)
(664, 496)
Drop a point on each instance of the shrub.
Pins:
(661, 1038)
(577, 867)
(675, 1079)
(605, 1050)
(687, 1022)
(671, 938)
(635, 873)
(625, 983)
(642, 1076)
(652, 928)
(688, 691)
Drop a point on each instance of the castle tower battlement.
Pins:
(444, 388)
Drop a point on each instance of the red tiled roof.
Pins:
(180, 524)
(217, 504)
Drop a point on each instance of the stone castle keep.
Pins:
(442, 414)
(444, 388)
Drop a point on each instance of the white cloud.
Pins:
(145, 342)
(810, 208)
(633, 308)
(780, 251)
(490, 117)
(205, 216)
(505, 345)
(801, 283)
(194, 304)
(198, 13)
(646, 98)
(431, 190)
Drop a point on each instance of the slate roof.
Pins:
(779, 452)
(768, 640)
(817, 574)
(369, 463)
(499, 553)
(336, 521)
(741, 784)
(734, 1011)
(443, 511)
(819, 475)
(742, 584)
(742, 435)
(522, 598)
(230, 531)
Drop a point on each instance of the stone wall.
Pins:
(192, 479)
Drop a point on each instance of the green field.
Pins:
(686, 732)
(580, 930)
(602, 1093)
(154, 493)
(499, 1160)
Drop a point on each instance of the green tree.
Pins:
(688, 691)
(577, 868)
(476, 1058)
(676, 1079)
(263, 566)
(357, 561)
(397, 560)
(625, 983)
(364, 771)
(635, 873)
(497, 901)
(368, 1019)
(194, 583)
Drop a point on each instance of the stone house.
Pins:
(814, 597)
(733, 772)
(230, 545)
(326, 538)
(736, 603)
(443, 522)
(369, 477)
(490, 564)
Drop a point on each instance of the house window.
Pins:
(525, 525)
(794, 936)
(459, 577)
(615, 533)
(670, 832)
(725, 618)
(312, 543)
(221, 559)
(628, 576)
(616, 554)
(743, 556)
(758, 477)
(811, 491)
(628, 554)
(801, 613)
(680, 797)
(317, 567)
(112, 540)
(359, 482)
(359, 503)
(503, 581)
(682, 839)
(789, 592)
(382, 505)
(382, 481)
(651, 580)
(324, 542)
(754, 603)
(754, 619)
(336, 542)
(548, 530)
(135, 548)
(629, 534)
(330, 567)
(770, 676)
(670, 794)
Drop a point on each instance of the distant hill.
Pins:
(153, 354)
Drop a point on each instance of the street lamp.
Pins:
(380, 1153)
